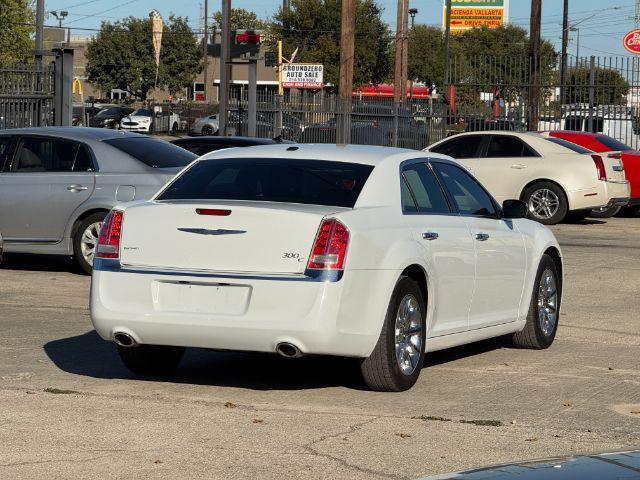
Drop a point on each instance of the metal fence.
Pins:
(595, 94)
(26, 96)
(320, 117)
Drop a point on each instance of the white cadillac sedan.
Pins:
(557, 179)
(374, 253)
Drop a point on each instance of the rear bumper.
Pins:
(604, 194)
(318, 315)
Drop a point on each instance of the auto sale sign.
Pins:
(302, 75)
(631, 41)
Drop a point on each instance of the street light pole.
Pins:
(413, 12)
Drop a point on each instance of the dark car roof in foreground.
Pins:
(604, 466)
(73, 133)
(211, 140)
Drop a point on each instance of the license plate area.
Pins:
(201, 297)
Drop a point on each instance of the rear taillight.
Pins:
(109, 242)
(330, 246)
(602, 173)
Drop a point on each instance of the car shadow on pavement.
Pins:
(89, 355)
(40, 263)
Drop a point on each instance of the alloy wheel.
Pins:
(408, 334)
(543, 203)
(89, 241)
(547, 302)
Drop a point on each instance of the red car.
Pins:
(630, 160)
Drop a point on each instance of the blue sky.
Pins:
(603, 23)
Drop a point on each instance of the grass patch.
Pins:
(483, 423)
(60, 391)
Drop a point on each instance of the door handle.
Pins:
(519, 166)
(77, 188)
(430, 235)
(482, 237)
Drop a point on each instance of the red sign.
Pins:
(631, 41)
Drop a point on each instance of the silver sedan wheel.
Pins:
(547, 302)
(408, 332)
(544, 203)
(89, 241)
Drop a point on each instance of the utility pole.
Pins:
(205, 49)
(397, 80)
(39, 34)
(225, 66)
(565, 42)
(347, 45)
(286, 5)
(405, 52)
(447, 36)
(534, 58)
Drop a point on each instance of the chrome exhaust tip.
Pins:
(288, 350)
(124, 340)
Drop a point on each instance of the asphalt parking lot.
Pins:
(69, 409)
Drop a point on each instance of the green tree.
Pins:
(313, 26)
(121, 56)
(241, 19)
(16, 20)
(610, 87)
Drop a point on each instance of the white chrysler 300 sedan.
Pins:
(375, 253)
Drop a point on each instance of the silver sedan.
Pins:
(58, 183)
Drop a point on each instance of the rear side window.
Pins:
(461, 147)
(37, 154)
(467, 193)
(424, 191)
(152, 152)
(612, 143)
(571, 146)
(508, 146)
(315, 182)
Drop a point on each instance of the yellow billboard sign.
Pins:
(465, 18)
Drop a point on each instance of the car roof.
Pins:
(362, 154)
(239, 141)
(73, 133)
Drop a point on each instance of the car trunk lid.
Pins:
(229, 236)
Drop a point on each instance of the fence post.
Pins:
(394, 138)
(63, 86)
(277, 104)
(252, 99)
(592, 86)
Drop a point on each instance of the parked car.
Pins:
(80, 114)
(554, 177)
(58, 183)
(203, 145)
(205, 125)
(110, 117)
(482, 124)
(140, 120)
(265, 124)
(603, 466)
(365, 252)
(600, 143)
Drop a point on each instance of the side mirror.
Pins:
(514, 209)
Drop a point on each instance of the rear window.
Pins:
(315, 182)
(152, 152)
(571, 146)
(612, 143)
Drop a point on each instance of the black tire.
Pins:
(151, 359)
(207, 130)
(576, 216)
(381, 370)
(80, 229)
(629, 211)
(562, 208)
(533, 336)
(605, 212)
